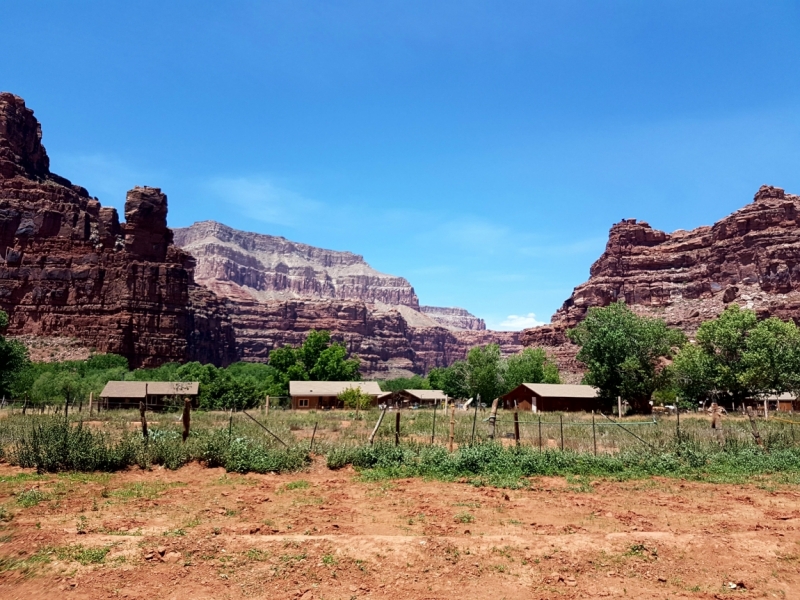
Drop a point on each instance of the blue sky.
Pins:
(482, 150)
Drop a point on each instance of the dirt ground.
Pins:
(198, 533)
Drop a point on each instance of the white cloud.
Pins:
(260, 199)
(519, 322)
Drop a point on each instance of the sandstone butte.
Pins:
(276, 290)
(751, 257)
(70, 270)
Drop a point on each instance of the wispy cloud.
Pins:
(593, 246)
(519, 322)
(261, 199)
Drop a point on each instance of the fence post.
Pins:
(561, 425)
(452, 425)
(678, 417)
(313, 433)
(144, 420)
(594, 435)
(516, 428)
(619, 406)
(397, 428)
(493, 417)
(766, 410)
(540, 433)
(91, 400)
(187, 417)
(25, 405)
(266, 407)
(475, 418)
(378, 424)
(433, 432)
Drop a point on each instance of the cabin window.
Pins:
(303, 403)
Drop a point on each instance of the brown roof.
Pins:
(138, 389)
(561, 390)
(332, 388)
(427, 394)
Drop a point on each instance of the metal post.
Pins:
(475, 418)
(594, 435)
(561, 425)
(516, 428)
(397, 428)
(540, 433)
(433, 431)
(313, 433)
(452, 425)
(678, 417)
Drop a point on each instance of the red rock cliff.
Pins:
(751, 257)
(68, 268)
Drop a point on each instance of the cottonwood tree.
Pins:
(736, 357)
(625, 354)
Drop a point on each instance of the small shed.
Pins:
(786, 402)
(552, 397)
(406, 398)
(155, 394)
(325, 394)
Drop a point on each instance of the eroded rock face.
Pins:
(751, 257)
(278, 290)
(454, 318)
(68, 268)
(273, 268)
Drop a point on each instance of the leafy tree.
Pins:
(624, 353)
(355, 399)
(13, 359)
(529, 366)
(485, 372)
(738, 357)
(451, 380)
(333, 365)
(59, 387)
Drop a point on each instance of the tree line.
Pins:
(731, 358)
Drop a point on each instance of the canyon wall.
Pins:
(277, 290)
(70, 269)
(751, 257)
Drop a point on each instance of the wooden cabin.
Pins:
(407, 398)
(552, 397)
(325, 394)
(156, 395)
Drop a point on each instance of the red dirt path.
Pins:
(198, 533)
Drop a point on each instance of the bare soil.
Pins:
(200, 533)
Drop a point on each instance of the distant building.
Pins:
(406, 398)
(155, 394)
(552, 397)
(325, 394)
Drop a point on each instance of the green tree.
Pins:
(451, 380)
(333, 365)
(485, 372)
(13, 359)
(54, 387)
(738, 357)
(532, 365)
(354, 398)
(624, 353)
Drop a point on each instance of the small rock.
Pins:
(662, 580)
(161, 550)
(172, 557)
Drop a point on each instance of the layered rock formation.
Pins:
(69, 269)
(273, 268)
(751, 257)
(277, 290)
(454, 318)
